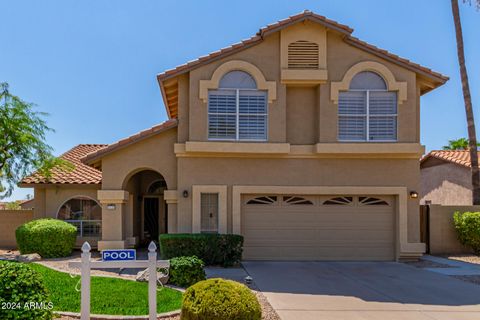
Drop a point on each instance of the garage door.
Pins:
(304, 227)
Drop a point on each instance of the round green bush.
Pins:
(467, 225)
(22, 293)
(186, 271)
(50, 238)
(219, 299)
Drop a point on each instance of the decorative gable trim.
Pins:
(382, 70)
(262, 83)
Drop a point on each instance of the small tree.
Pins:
(13, 205)
(22, 142)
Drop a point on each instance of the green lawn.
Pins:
(108, 295)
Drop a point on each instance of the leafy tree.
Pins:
(472, 136)
(22, 142)
(14, 205)
(458, 144)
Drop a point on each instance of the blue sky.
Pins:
(91, 64)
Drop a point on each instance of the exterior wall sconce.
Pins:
(413, 194)
(111, 206)
(185, 193)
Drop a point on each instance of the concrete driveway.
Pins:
(363, 290)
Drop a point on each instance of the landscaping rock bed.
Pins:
(470, 258)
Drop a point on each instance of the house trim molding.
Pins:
(392, 83)
(285, 150)
(262, 83)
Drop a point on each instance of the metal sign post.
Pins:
(152, 264)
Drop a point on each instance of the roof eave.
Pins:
(436, 78)
(94, 157)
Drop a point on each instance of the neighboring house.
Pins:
(303, 138)
(27, 204)
(446, 177)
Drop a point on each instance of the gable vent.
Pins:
(303, 55)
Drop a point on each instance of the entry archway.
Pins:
(146, 213)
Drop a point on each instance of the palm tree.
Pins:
(458, 144)
(472, 136)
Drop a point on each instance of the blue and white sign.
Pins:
(119, 255)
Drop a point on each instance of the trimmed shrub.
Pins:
(219, 299)
(213, 249)
(20, 288)
(50, 238)
(467, 225)
(186, 271)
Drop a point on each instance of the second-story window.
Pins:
(237, 110)
(367, 111)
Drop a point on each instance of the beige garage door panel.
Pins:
(357, 228)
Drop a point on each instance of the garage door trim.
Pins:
(402, 244)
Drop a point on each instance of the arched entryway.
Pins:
(146, 213)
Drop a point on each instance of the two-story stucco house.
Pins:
(303, 138)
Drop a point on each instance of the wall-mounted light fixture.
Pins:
(111, 206)
(185, 193)
(413, 194)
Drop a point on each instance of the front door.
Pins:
(151, 221)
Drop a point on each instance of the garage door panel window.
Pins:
(296, 200)
(370, 201)
(209, 213)
(263, 200)
(339, 201)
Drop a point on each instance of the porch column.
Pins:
(113, 210)
(171, 198)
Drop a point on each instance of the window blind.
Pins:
(237, 115)
(367, 116)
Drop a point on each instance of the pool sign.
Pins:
(119, 255)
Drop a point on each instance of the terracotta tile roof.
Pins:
(461, 157)
(81, 174)
(396, 59)
(436, 77)
(96, 154)
(305, 15)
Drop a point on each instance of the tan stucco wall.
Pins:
(443, 237)
(266, 56)
(295, 172)
(341, 57)
(302, 114)
(446, 184)
(10, 221)
(154, 153)
(48, 200)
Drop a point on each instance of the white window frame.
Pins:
(367, 115)
(237, 116)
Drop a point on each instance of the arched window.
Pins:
(237, 80)
(157, 187)
(84, 213)
(237, 110)
(367, 111)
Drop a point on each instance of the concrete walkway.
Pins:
(457, 268)
(363, 290)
